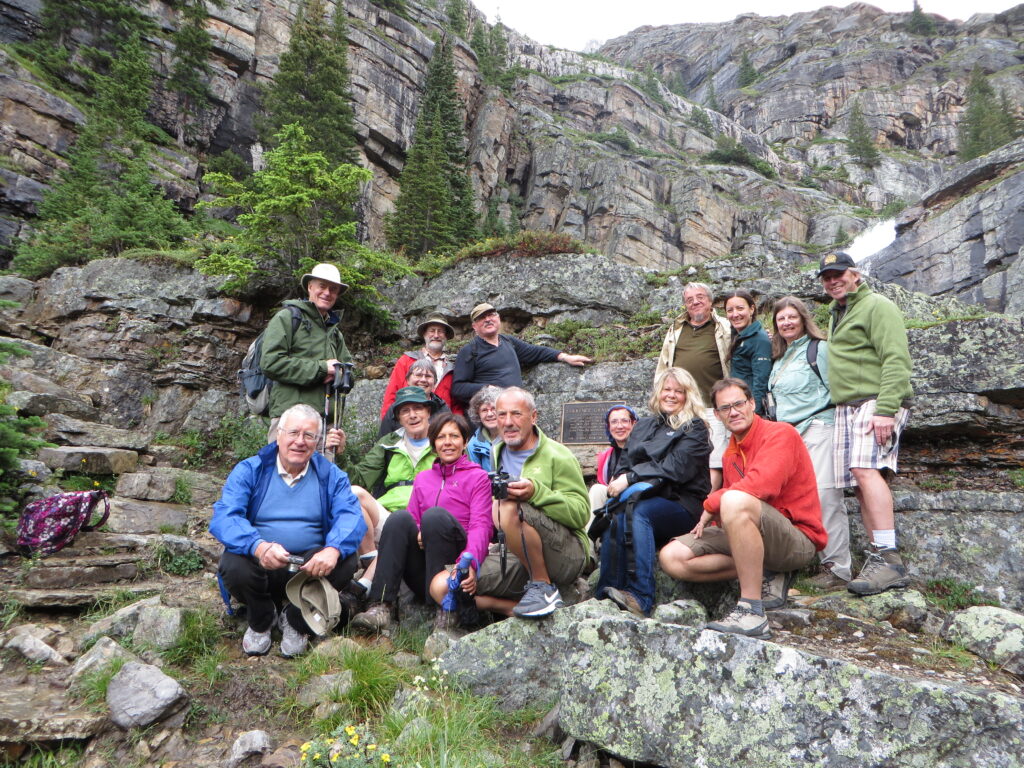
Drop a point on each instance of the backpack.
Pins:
(48, 525)
(255, 386)
(812, 359)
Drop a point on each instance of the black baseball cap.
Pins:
(839, 261)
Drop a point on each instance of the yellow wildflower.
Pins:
(371, 747)
(354, 741)
(316, 756)
(350, 729)
(385, 758)
(305, 747)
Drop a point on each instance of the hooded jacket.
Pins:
(752, 361)
(296, 362)
(675, 460)
(397, 380)
(235, 511)
(464, 490)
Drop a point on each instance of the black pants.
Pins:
(399, 557)
(262, 591)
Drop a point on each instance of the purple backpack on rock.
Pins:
(48, 525)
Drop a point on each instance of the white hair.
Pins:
(301, 411)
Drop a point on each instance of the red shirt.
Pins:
(771, 463)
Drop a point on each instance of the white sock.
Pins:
(368, 555)
(366, 583)
(885, 539)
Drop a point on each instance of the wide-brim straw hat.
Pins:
(327, 272)
(317, 599)
(435, 318)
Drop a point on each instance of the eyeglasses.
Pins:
(297, 434)
(738, 405)
(699, 298)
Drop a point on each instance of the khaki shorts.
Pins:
(564, 557)
(786, 548)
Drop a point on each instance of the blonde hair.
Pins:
(692, 409)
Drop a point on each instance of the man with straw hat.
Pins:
(434, 332)
(301, 363)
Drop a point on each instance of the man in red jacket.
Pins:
(767, 517)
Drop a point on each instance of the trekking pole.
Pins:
(344, 372)
(328, 452)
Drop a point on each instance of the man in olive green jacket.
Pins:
(869, 378)
(301, 362)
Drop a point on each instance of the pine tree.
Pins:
(747, 75)
(711, 98)
(919, 24)
(862, 144)
(447, 218)
(396, 6)
(191, 68)
(1008, 112)
(311, 86)
(984, 125)
(699, 119)
(499, 47)
(481, 43)
(456, 12)
(104, 202)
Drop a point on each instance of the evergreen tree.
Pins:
(699, 119)
(456, 12)
(711, 98)
(191, 68)
(104, 202)
(481, 43)
(311, 86)
(499, 46)
(447, 219)
(396, 6)
(493, 225)
(294, 213)
(984, 125)
(919, 24)
(747, 74)
(1008, 112)
(862, 143)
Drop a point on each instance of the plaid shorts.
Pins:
(855, 444)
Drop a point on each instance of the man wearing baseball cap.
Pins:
(434, 332)
(869, 377)
(495, 358)
(301, 361)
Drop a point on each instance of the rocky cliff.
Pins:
(583, 144)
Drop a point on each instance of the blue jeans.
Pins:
(655, 521)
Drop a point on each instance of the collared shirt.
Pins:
(289, 479)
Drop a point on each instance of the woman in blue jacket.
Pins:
(750, 355)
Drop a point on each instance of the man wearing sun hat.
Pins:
(434, 332)
(495, 358)
(301, 361)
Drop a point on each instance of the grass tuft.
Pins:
(954, 595)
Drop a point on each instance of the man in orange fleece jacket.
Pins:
(767, 515)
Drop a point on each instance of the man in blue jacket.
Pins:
(287, 500)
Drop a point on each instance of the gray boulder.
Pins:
(719, 700)
(120, 623)
(159, 627)
(140, 694)
(248, 744)
(995, 634)
(100, 655)
(325, 687)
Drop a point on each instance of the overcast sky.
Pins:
(573, 24)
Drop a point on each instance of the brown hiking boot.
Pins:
(375, 619)
(882, 570)
(826, 579)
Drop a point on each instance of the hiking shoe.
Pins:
(775, 589)
(625, 600)
(826, 579)
(742, 621)
(882, 570)
(256, 643)
(293, 642)
(540, 599)
(374, 620)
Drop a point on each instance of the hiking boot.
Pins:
(374, 620)
(540, 599)
(742, 621)
(256, 643)
(775, 589)
(882, 570)
(625, 600)
(293, 642)
(826, 579)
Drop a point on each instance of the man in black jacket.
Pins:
(495, 358)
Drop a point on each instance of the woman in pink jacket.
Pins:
(449, 513)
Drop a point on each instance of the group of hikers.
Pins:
(738, 473)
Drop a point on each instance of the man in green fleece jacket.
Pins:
(300, 357)
(542, 520)
(869, 377)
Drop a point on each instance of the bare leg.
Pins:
(372, 518)
(679, 562)
(716, 479)
(495, 604)
(875, 499)
(515, 533)
(439, 586)
(741, 515)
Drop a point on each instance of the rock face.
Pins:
(795, 708)
(966, 236)
(706, 698)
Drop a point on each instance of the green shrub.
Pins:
(954, 595)
(181, 564)
(728, 151)
(182, 490)
(1017, 477)
(200, 637)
